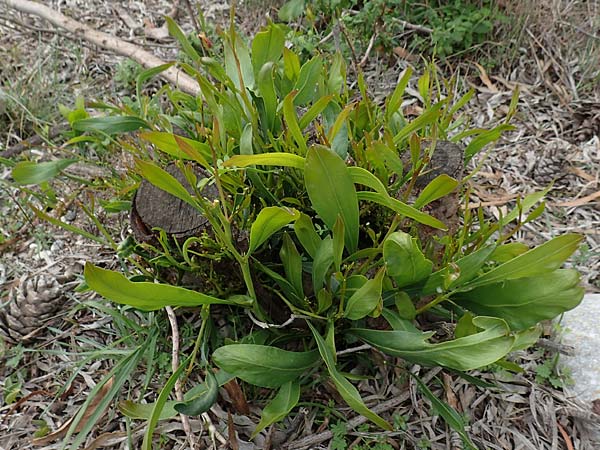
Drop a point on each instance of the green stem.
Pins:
(436, 301)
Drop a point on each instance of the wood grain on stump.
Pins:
(154, 208)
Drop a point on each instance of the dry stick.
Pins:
(310, 441)
(175, 365)
(120, 47)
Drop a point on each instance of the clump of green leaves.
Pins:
(446, 28)
(301, 165)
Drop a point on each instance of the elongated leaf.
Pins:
(266, 159)
(428, 117)
(322, 262)
(525, 205)
(110, 124)
(201, 403)
(524, 302)
(291, 120)
(338, 243)
(267, 46)
(405, 262)
(29, 172)
(263, 365)
(506, 252)
(237, 62)
(337, 74)
(449, 414)
(269, 221)
(394, 101)
(468, 267)
(366, 299)
(340, 122)
(402, 209)
(178, 34)
(314, 111)
(170, 144)
(145, 295)
(165, 181)
(366, 178)
(279, 407)
(331, 192)
(163, 397)
(266, 88)
(398, 323)
(306, 234)
(292, 264)
(346, 389)
(390, 157)
(291, 10)
(146, 75)
(439, 187)
(466, 353)
(485, 138)
(308, 80)
(542, 259)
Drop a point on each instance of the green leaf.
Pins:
(291, 120)
(346, 389)
(322, 262)
(146, 75)
(178, 34)
(29, 172)
(203, 402)
(366, 178)
(110, 124)
(465, 353)
(465, 326)
(308, 81)
(405, 306)
(485, 138)
(292, 264)
(338, 243)
(405, 262)
(291, 10)
(441, 186)
(266, 88)
(279, 407)
(428, 117)
(506, 252)
(269, 221)
(366, 299)
(291, 64)
(524, 205)
(337, 74)
(390, 157)
(542, 259)
(397, 322)
(449, 414)
(158, 406)
(266, 159)
(267, 46)
(401, 208)
(263, 365)
(331, 192)
(465, 269)
(170, 144)
(237, 62)
(524, 302)
(306, 234)
(316, 109)
(394, 101)
(340, 121)
(145, 295)
(165, 181)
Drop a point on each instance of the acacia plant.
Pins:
(328, 239)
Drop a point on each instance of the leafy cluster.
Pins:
(454, 26)
(321, 224)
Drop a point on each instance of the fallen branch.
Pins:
(104, 40)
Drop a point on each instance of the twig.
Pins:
(104, 40)
(363, 61)
(188, 5)
(175, 365)
(412, 26)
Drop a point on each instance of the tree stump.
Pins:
(154, 208)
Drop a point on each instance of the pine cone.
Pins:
(552, 163)
(31, 304)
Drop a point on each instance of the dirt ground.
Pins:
(557, 139)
